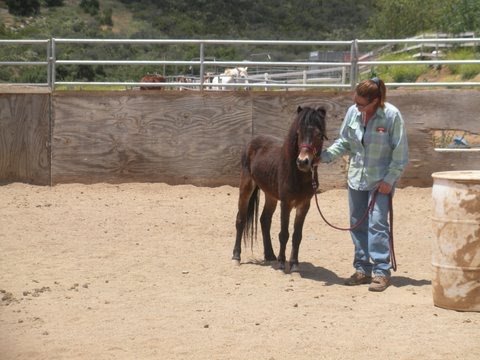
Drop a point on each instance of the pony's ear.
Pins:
(322, 111)
(299, 109)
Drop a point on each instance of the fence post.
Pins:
(353, 64)
(202, 65)
(51, 83)
(51, 64)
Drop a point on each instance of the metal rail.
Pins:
(350, 71)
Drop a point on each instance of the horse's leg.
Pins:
(283, 235)
(246, 189)
(300, 215)
(266, 223)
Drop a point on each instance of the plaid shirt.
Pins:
(377, 152)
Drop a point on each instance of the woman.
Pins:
(373, 134)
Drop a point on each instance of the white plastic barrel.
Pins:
(456, 244)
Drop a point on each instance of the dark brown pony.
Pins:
(152, 78)
(284, 173)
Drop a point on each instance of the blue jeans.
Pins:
(371, 238)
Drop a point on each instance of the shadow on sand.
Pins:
(318, 273)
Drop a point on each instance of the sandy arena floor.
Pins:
(143, 271)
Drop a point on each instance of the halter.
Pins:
(309, 147)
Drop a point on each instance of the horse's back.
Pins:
(262, 148)
(264, 144)
(152, 79)
(261, 161)
(216, 81)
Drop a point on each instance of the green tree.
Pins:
(457, 16)
(23, 7)
(3, 30)
(400, 18)
(106, 17)
(405, 18)
(90, 6)
(53, 3)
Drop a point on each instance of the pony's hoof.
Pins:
(294, 268)
(281, 265)
(236, 262)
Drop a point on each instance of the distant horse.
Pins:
(236, 75)
(208, 77)
(152, 78)
(185, 80)
(284, 173)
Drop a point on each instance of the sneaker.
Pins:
(379, 283)
(358, 278)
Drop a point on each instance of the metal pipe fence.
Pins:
(362, 56)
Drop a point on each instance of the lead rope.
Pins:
(392, 250)
(365, 215)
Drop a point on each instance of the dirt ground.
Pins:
(143, 271)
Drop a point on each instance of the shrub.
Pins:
(90, 6)
(53, 3)
(400, 73)
(23, 7)
(466, 71)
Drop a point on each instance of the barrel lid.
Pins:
(462, 175)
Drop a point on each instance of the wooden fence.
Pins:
(186, 137)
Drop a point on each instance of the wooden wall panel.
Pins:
(24, 138)
(428, 110)
(197, 137)
(173, 137)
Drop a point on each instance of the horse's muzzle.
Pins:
(304, 162)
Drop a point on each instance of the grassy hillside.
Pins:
(146, 19)
(260, 19)
(67, 21)
(213, 19)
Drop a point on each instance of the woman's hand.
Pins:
(384, 188)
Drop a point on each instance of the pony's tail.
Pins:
(250, 229)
